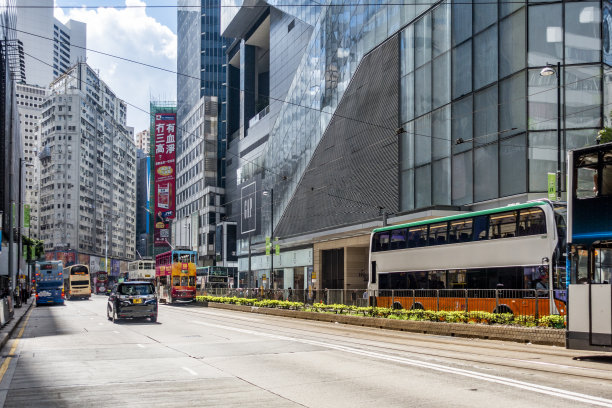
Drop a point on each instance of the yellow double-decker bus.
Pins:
(77, 284)
(175, 275)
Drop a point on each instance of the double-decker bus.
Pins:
(589, 237)
(142, 270)
(49, 281)
(76, 282)
(99, 282)
(498, 260)
(175, 273)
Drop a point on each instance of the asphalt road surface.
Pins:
(72, 356)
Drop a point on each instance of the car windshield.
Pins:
(132, 290)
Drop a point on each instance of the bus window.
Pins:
(481, 226)
(176, 281)
(603, 266)
(381, 241)
(438, 233)
(456, 279)
(191, 281)
(579, 265)
(502, 225)
(175, 258)
(531, 222)
(461, 231)
(184, 281)
(417, 236)
(398, 239)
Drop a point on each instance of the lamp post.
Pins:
(271, 193)
(547, 71)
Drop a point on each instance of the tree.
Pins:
(605, 135)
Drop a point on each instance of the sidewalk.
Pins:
(7, 331)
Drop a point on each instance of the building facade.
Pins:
(29, 104)
(143, 193)
(11, 151)
(141, 140)
(88, 169)
(201, 132)
(50, 46)
(406, 111)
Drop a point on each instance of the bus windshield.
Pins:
(79, 270)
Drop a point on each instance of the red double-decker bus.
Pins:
(175, 275)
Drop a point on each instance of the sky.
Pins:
(142, 34)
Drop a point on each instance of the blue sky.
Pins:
(147, 35)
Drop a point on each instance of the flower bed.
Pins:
(552, 321)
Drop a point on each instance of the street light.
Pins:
(271, 193)
(549, 70)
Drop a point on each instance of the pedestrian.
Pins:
(353, 297)
(325, 296)
(290, 296)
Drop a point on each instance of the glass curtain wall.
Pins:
(480, 120)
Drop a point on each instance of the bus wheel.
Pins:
(503, 309)
(397, 306)
(417, 306)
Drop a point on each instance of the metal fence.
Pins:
(523, 302)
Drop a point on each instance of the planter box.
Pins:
(535, 335)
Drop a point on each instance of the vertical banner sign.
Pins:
(552, 186)
(165, 133)
(26, 216)
(276, 246)
(268, 246)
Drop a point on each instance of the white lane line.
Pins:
(115, 331)
(189, 370)
(100, 324)
(140, 345)
(555, 392)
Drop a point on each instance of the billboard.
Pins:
(115, 267)
(83, 259)
(94, 264)
(163, 189)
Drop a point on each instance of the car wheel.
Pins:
(115, 318)
(108, 316)
(153, 319)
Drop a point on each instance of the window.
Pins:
(460, 231)
(417, 236)
(481, 226)
(380, 241)
(398, 239)
(532, 222)
(438, 233)
(502, 225)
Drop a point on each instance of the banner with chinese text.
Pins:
(165, 143)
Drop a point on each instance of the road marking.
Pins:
(140, 345)
(555, 392)
(6, 362)
(115, 331)
(189, 370)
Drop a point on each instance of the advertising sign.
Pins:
(94, 264)
(115, 267)
(68, 258)
(248, 204)
(26, 216)
(83, 259)
(165, 157)
(552, 186)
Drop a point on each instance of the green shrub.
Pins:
(555, 321)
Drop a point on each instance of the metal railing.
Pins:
(520, 302)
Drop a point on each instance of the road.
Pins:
(72, 356)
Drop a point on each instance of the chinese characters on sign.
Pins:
(165, 144)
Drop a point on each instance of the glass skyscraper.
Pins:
(413, 109)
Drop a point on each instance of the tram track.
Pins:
(438, 346)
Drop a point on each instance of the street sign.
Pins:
(26, 216)
(276, 246)
(268, 246)
(552, 186)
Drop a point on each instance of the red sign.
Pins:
(165, 159)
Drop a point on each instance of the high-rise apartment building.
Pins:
(201, 149)
(88, 169)
(30, 99)
(50, 47)
(142, 140)
(415, 110)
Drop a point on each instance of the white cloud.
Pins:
(132, 34)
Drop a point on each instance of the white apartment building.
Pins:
(50, 47)
(30, 99)
(199, 205)
(143, 141)
(88, 168)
